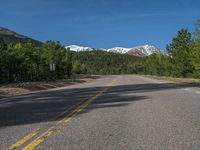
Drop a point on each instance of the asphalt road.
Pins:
(112, 113)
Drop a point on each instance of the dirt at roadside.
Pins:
(25, 88)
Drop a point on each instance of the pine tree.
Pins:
(197, 29)
(195, 58)
(3, 60)
(179, 50)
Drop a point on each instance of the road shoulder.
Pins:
(21, 89)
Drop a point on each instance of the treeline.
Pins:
(30, 62)
(100, 62)
(27, 62)
(182, 58)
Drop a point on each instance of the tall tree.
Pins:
(179, 50)
(3, 59)
(195, 58)
(197, 29)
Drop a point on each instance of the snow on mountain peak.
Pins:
(144, 50)
(121, 50)
(77, 48)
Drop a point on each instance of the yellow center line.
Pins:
(23, 140)
(66, 119)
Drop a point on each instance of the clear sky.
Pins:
(100, 23)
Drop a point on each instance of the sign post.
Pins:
(52, 68)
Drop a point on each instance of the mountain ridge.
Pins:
(143, 50)
(10, 36)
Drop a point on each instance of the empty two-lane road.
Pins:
(112, 113)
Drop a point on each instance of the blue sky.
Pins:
(100, 23)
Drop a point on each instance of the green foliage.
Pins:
(100, 62)
(195, 58)
(77, 67)
(179, 50)
(197, 29)
(28, 62)
(3, 59)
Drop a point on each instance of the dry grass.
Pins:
(15, 89)
(190, 81)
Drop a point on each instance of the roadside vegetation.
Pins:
(22, 62)
(28, 62)
(187, 81)
(182, 58)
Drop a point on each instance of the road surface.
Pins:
(124, 112)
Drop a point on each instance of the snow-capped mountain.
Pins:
(121, 50)
(77, 48)
(144, 50)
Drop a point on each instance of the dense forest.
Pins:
(27, 62)
(20, 62)
(100, 62)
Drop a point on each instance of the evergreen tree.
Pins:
(3, 59)
(195, 58)
(197, 29)
(179, 50)
(77, 67)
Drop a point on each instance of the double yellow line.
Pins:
(60, 123)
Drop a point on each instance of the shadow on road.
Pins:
(44, 107)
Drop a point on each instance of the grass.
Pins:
(190, 81)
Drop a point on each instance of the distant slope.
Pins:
(120, 50)
(77, 48)
(10, 36)
(144, 50)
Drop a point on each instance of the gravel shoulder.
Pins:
(16, 89)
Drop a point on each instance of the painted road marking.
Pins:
(67, 118)
(23, 140)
